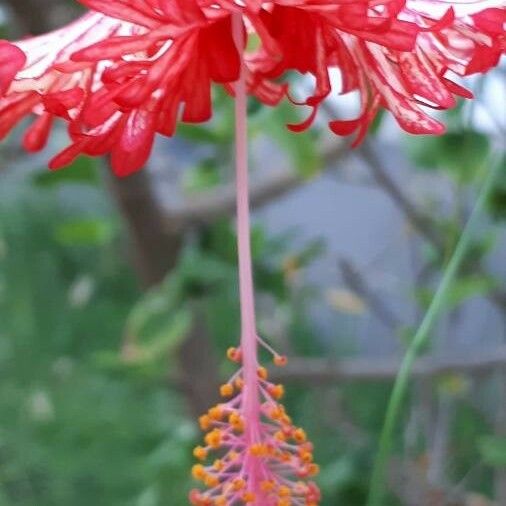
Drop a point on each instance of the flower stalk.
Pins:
(249, 343)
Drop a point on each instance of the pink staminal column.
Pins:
(249, 342)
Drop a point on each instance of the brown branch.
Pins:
(422, 223)
(316, 371)
(207, 207)
(156, 242)
(156, 238)
(409, 482)
(354, 280)
(211, 205)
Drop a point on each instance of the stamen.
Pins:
(260, 457)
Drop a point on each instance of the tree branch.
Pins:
(356, 282)
(156, 238)
(207, 207)
(409, 482)
(422, 223)
(316, 371)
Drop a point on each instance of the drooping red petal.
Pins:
(36, 136)
(132, 151)
(344, 127)
(12, 60)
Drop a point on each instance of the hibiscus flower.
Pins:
(130, 69)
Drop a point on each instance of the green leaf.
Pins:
(84, 171)
(463, 289)
(259, 242)
(150, 340)
(201, 134)
(463, 153)
(202, 177)
(161, 300)
(497, 201)
(160, 339)
(493, 450)
(424, 153)
(201, 269)
(84, 232)
(468, 287)
(378, 121)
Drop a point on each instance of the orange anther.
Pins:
(286, 456)
(216, 413)
(306, 457)
(205, 422)
(300, 436)
(280, 360)
(313, 469)
(279, 436)
(198, 472)
(267, 486)
(200, 453)
(284, 491)
(258, 450)
(226, 390)
(262, 373)
(277, 391)
(248, 497)
(236, 421)
(214, 439)
(218, 465)
(234, 354)
(238, 484)
(276, 412)
(211, 481)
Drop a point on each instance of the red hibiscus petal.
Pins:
(12, 60)
(132, 151)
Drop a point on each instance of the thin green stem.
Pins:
(377, 486)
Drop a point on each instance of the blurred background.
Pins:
(118, 300)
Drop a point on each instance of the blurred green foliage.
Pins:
(72, 432)
(80, 423)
